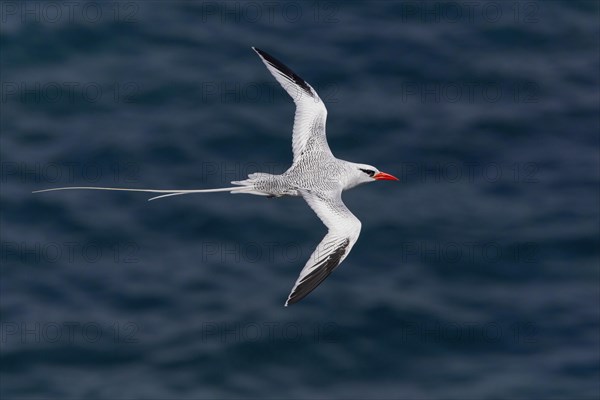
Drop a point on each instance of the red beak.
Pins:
(382, 176)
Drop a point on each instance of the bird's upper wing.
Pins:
(311, 114)
(344, 229)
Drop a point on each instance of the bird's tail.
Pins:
(167, 192)
(249, 186)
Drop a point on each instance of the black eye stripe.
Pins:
(368, 172)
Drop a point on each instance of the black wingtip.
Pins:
(284, 70)
(317, 277)
(261, 53)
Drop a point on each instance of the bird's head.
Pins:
(364, 173)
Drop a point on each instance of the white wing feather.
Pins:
(344, 230)
(311, 114)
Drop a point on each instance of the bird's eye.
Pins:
(368, 172)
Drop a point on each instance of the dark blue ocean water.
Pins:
(476, 276)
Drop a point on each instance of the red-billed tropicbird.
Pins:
(315, 174)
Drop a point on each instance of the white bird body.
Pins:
(315, 174)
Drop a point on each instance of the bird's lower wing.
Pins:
(344, 229)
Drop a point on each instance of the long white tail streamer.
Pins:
(170, 192)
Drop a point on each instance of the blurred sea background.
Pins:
(475, 277)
